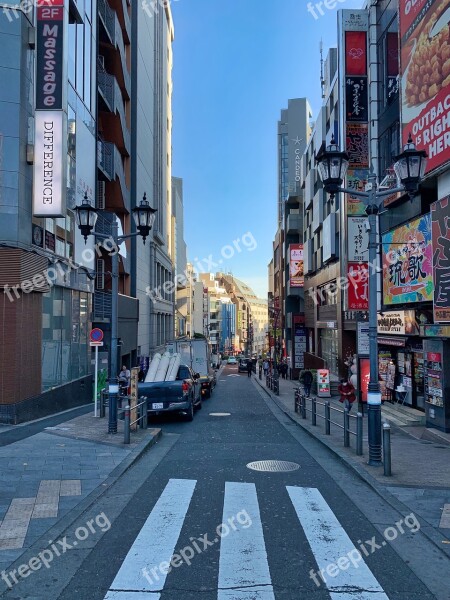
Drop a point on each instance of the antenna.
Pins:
(322, 80)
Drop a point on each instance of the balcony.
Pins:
(113, 101)
(121, 8)
(105, 159)
(293, 223)
(114, 37)
(117, 191)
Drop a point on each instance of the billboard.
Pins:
(296, 276)
(49, 167)
(358, 286)
(49, 54)
(408, 263)
(440, 227)
(425, 77)
(356, 180)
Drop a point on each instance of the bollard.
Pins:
(359, 434)
(313, 411)
(102, 404)
(346, 428)
(327, 417)
(113, 391)
(145, 415)
(126, 426)
(296, 401)
(303, 406)
(387, 449)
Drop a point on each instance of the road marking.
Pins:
(154, 544)
(329, 543)
(243, 567)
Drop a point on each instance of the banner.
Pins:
(356, 180)
(408, 263)
(49, 54)
(358, 286)
(356, 99)
(358, 239)
(392, 76)
(357, 145)
(296, 276)
(440, 225)
(425, 78)
(355, 53)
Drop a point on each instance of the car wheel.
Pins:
(190, 415)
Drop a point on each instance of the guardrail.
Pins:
(301, 408)
(142, 418)
(273, 383)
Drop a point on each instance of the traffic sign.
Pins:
(96, 335)
(96, 344)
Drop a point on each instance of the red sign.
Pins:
(434, 356)
(96, 335)
(355, 53)
(358, 286)
(364, 377)
(424, 71)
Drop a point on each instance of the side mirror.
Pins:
(197, 376)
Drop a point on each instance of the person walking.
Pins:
(249, 368)
(307, 378)
(266, 368)
(347, 392)
(260, 367)
(284, 369)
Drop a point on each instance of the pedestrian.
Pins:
(266, 368)
(284, 369)
(347, 392)
(307, 379)
(260, 367)
(249, 368)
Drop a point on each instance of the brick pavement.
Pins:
(420, 474)
(45, 476)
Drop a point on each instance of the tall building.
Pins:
(294, 130)
(179, 256)
(93, 124)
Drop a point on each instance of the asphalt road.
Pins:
(283, 527)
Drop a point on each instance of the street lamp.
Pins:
(409, 168)
(86, 217)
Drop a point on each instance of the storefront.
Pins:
(401, 357)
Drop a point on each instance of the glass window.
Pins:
(79, 86)
(87, 64)
(72, 49)
(329, 348)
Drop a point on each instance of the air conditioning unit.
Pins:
(101, 195)
(100, 275)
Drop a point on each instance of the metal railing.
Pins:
(273, 383)
(301, 408)
(142, 418)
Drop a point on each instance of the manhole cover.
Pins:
(219, 414)
(276, 466)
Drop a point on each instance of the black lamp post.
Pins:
(409, 167)
(86, 217)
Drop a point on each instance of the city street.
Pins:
(234, 533)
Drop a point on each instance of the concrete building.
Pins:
(179, 257)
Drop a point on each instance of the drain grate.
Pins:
(273, 466)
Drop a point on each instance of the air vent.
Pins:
(100, 275)
(101, 195)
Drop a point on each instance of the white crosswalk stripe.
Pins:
(243, 567)
(243, 563)
(154, 544)
(329, 543)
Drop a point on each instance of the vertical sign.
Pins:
(50, 145)
(49, 54)
(392, 76)
(323, 383)
(358, 286)
(358, 239)
(300, 346)
(296, 277)
(440, 232)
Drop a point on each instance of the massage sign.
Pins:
(49, 175)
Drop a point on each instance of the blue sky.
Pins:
(236, 63)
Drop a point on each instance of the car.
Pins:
(243, 362)
(232, 361)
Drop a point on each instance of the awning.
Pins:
(399, 342)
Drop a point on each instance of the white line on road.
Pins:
(243, 568)
(154, 544)
(329, 542)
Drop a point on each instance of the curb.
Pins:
(434, 536)
(58, 529)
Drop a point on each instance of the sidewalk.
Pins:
(63, 468)
(420, 475)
